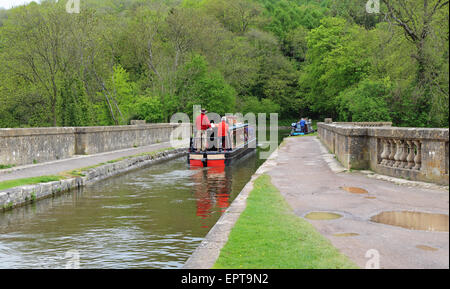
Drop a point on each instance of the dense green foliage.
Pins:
(119, 60)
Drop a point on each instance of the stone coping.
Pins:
(17, 132)
(440, 134)
(367, 124)
(95, 129)
(347, 130)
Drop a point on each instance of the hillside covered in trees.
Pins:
(147, 59)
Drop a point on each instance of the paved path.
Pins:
(308, 184)
(77, 162)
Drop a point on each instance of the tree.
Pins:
(120, 59)
(252, 104)
(354, 11)
(337, 58)
(365, 102)
(296, 43)
(48, 50)
(418, 19)
(74, 108)
(39, 62)
(148, 108)
(236, 15)
(197, 85)
(122, 94)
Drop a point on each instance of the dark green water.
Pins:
(151, 218)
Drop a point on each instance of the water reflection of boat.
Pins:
(222, 187)
(213, 189)
(240, 139)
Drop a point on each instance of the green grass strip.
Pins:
(28, 181)
(74, 173)
(268, 235)
(4, 167)
(79, 172)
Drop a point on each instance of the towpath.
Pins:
(309, 179)
(76, 162)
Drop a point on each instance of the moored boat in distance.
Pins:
(297, 129)
(240, 139)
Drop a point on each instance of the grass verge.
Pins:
(4, 167)
(268, 235)
(69, 174)
(80, 172)
(28, 181)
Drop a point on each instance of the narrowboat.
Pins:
(240, 140)
(296, 129)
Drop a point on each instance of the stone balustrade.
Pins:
(419, 154)
(402, 154)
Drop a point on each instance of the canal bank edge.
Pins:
(206, 254)
(23, 195)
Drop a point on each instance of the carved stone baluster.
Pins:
(418, 157)
(398, 153)
(404, 155)
(392, 151)
(410, 157)
(384, 155)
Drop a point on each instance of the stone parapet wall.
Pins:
(23, 146)
(92, 140)
(419, 154)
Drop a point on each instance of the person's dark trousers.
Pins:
(223, 140)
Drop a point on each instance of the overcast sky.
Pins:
(11, 3)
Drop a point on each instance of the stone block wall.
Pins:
(419, 154)
(92, 140)
(21, 146)
(36, 145)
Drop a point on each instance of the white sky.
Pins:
(11, 3)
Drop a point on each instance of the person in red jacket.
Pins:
(201, 124)
(223, 133)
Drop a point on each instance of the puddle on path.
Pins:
(414, 220)
(322, 216)
(346, 235)
(426, 248)
(355, 190)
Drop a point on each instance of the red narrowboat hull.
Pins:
(196, 163)
(217, 159)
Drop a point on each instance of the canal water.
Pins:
(150, 218)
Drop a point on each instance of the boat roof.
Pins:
(239, 125)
